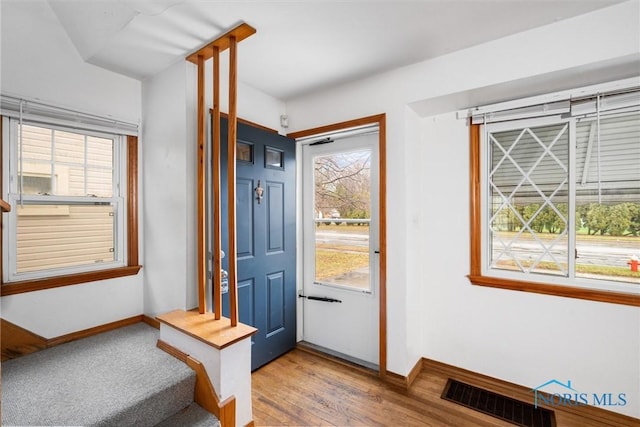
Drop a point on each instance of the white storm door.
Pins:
(341, 246)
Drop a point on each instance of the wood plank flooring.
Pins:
(305, 389)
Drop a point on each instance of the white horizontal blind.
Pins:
(611, 169)
(609, 165)
(39, 112)
(540, 110)
(627, 100)
(609, 103)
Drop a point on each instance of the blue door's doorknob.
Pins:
(224, 283)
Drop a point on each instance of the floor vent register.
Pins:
(502, 407)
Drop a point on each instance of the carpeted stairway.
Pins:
(118, 378)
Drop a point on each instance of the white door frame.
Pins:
(380, 120)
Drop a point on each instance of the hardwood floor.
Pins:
(305, 389)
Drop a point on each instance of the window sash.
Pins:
(15, 198)
(484, 167)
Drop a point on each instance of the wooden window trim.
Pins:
(475, 227)
(132, 268)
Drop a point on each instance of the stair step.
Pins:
(192, 416)
(115, 378)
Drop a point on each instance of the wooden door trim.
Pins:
(247, 122)
(380, 120)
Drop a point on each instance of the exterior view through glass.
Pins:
(538, 205)
(342, 185)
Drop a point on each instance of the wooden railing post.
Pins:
(229, 41)
(201, 187)
(231, 172)
(215, 196)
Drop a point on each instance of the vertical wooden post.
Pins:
(201, 188)
(215, 176)
(231, 183)
(229, 40)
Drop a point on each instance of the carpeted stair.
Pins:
(118, 378)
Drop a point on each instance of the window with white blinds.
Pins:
(560, 194)
(66, 188)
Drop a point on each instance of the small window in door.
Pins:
(273, 158)
(244, 152)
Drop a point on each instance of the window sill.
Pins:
(72, 279)
(557, 290)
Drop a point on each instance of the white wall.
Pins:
(169, 169)
(253, 104)
(520, 337)
(594, 344)
(39, 61)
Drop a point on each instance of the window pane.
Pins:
(36, 143)
(69, 147)
(608, 197)
(99, 182)
(343, 212)
(244, 152)
(99, 167)
(74, 164)
(100, 152)
(35, 167)
(528, 199)
(273, 158)
(55, 236)
(36, 184)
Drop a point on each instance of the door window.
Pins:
(342, 183)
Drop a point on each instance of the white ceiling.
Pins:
(300, 46)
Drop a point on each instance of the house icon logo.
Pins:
(536, 391)
(558, 393)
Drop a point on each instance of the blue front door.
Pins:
(266, 238)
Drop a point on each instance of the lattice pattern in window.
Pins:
(528, 182)
(547, 219)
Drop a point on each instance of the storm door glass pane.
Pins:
(342, 184)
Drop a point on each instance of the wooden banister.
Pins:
(4, 206)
